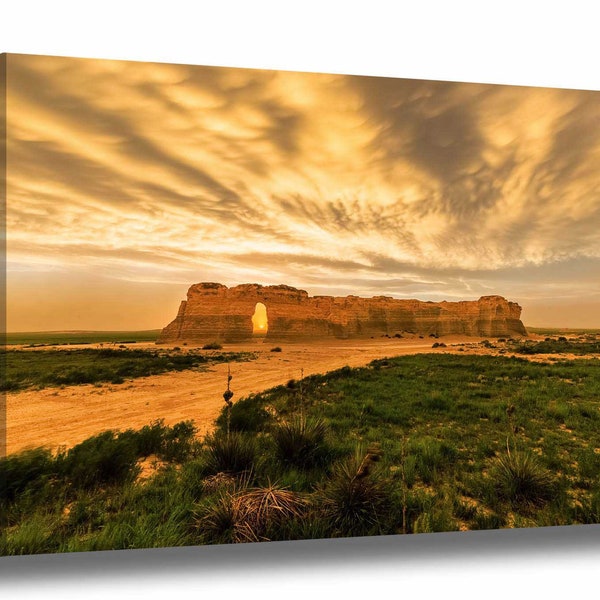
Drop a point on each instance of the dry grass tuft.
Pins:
(217, 482)
(249, 514)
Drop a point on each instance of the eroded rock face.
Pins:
(215, 312)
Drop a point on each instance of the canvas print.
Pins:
(247, 305)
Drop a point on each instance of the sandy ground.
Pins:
(63, 417)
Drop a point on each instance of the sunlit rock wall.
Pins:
(214, 312)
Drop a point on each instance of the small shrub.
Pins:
(212, 346)
(28, 469)
(276, 349)
(101, 459)
(218, 521)
(519, 478)
(265, 511)
(300, 441)
(356, 499)
(247, 414)
(249, 514)
(149, 439)
(173, 444)
(233, 453)
(179, 442)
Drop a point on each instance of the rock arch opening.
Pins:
(260, 322)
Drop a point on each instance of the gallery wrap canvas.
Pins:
(247, 306)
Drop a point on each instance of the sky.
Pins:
(127, 182)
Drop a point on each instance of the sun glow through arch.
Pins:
(260, 323)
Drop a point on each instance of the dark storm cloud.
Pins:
(122, 132)
(577, 136)
(438, 126)
(432, 123)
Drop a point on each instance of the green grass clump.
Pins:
(431, 457)
(25, 471)
(248, 414)
(519, 478)
(172, 444)
(300, 441)
(356, 499)
(112, 458)
(233, 453)
(105, 459)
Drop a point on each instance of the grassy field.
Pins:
(81, 337)
(589, 344)
(43, 368)
(564, 331)
(411, 444)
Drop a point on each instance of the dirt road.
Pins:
(55, 417)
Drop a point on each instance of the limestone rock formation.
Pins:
(213, 311)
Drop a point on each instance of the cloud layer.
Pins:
(170, 174)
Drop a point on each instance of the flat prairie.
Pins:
(56, 417)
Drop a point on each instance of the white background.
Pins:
(525, 43)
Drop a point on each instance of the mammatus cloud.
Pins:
(150, 173)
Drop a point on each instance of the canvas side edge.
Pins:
(3, 202)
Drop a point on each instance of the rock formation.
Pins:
(214, 312)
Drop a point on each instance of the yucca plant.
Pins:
(230, 453)
(249, 514)
(266, 510)
(300, 441)
(521, 479)
(356, 499)
(218, 521)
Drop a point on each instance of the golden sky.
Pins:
(128, 182)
